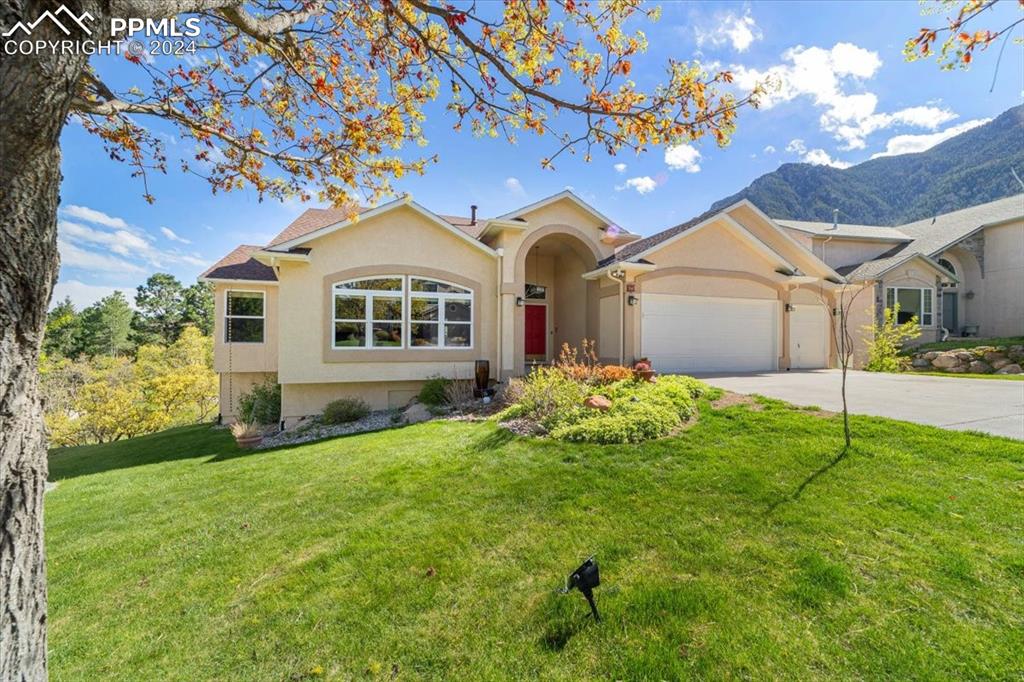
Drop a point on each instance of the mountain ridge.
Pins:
(971, 168)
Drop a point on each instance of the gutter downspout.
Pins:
(501, 309)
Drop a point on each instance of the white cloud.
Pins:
(620, 168)
(95, 217)
(83, 295)
(817, 157)
(683, 157)
(121, 242)
(643, 184)
(739, 31)
(515, 187)
(173, 236)
(769, 149)
(826, 76)
(910, 144)
(75, 257)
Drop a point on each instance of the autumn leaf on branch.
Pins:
(333, 95)
(958, 44)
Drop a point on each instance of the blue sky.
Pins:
(846, 95)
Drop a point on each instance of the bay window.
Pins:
(913, 302)
(400, 311)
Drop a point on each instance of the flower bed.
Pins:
(574, 404)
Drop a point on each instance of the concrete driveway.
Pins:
(988, 405)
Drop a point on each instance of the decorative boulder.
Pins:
(1000, 363)
(946, 361)
(931, 355)
(598, 402)
(979, 367)
(921, 362)
(1009, 369)
(993, 355)
(415, 413)
(964, 356)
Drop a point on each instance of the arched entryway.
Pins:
(558, 306)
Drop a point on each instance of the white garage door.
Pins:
(703, 334)
(808, 336)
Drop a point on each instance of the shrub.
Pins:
(433, 391)
(246, 430)
(609, 374)
(887, 342)
(262, 404)
(345, 410)
(549, 397)
(459, 393)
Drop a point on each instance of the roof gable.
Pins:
(564, 195)
(404, 202)
(240, 265)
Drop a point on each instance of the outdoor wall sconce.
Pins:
(520, 301)
(969, 295)
(585, 579)
(789, 307)
(631, 300)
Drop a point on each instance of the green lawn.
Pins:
(966, 343)
(434, 552)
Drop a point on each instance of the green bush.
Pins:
(262, 404)
(433, 391)
(345, 410)
(640, 410)
(887, 341)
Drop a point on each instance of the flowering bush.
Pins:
(639, 410)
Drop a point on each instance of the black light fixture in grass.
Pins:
(585, 579)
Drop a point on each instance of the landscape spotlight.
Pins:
(585, 579)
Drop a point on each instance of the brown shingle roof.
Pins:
(314, 219)
(239, 264)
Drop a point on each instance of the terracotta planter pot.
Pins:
(249, 442)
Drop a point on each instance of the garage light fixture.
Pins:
(789, 307)
(631, 300)
(520, 301)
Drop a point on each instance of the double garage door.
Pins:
(683, 334)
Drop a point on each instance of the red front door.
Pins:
(536, 330)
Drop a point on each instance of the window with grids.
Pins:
(368, 312)
(244, 316)
(913, 302)
(440, 314)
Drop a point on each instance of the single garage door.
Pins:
(702, 334)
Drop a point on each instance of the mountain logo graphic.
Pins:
(69, 19)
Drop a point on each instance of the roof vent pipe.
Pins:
(835, 218)
(472, 214)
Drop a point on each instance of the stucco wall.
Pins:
(300, 400)
(233, 386)
(246, 357)
(1004, 281)
(838, 252)
(399, 242)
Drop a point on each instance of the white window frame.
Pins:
(893, 293)
(228, 316)
(368, 319)
(441, 322)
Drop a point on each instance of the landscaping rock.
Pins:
(1009, 369)
(931, 355)
(946, 361)
(598, 402)
(415, 413)
(965, 356)
(1001, 362)
(993, 355)
(921, 362)
(960, 369)
(979, 367)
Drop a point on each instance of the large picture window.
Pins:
(244, 316)
(913, 302)
(368, 313)
(441, 314)
(400, 311)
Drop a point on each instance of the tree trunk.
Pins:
(35, 93)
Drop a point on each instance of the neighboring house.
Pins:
(981, 247)
(374, 305)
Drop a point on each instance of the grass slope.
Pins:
(434, 552)
(965, 343)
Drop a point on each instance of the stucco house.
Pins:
(375, 305)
